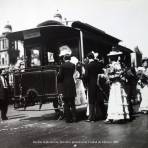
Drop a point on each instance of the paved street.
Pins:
(37, 129)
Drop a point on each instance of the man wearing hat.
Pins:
(65, 76)
(131, 84)
(92, 70)
(3, 96)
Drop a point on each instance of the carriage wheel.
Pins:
(30, 98)
(19, 102)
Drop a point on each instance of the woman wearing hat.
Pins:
(117, 104)
(144, 85)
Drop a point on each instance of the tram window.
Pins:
(50, 57)
(35, 58)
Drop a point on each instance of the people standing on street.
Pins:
(100, 107)
(92, 70)
(143, 80)
(117, 104)
(66, 73)
(80, 89)
(3, 96)
(131, 84)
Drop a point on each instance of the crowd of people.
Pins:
(93, 84)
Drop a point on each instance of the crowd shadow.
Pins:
(17, 116)
(81, 115)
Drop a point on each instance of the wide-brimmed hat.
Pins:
(114, 53)
(65, 50)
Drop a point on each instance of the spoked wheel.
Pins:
(19, 102)
(31, 97)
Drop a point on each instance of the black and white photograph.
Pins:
(73, 74)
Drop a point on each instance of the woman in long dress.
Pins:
(117, 104)
(80, 89)
(144, 87)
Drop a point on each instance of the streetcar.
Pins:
(44, 46)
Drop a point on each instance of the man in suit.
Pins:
(93, 68)
(3, 96)
(131, 84)
(67, 70)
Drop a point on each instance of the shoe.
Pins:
(4, 118)
(145, 112)
(131, 118)
(68, 121)
(92, 120)
(117, 121)
(88, 120)
(107, 121)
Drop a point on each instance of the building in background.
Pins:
(9, 50)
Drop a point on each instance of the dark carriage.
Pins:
(43, 47)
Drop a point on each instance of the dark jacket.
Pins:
(2, 89)
(3, 94)
(66, 77)
(92, 71)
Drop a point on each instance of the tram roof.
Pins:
(88, 32)
(37, 31)
(124, 49)
(93, 32)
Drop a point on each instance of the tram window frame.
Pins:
(53, 47)
(73, 45)
(50, 57)
(28, 49)
(35, 57)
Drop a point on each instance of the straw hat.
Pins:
(65, 50)
(144, 59)
(114, 53)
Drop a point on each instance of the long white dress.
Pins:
(117, 104)
(144, 92)
(80, 90)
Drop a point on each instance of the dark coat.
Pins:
(92, 71)
(2, 90)
(66, 77)
(3, 95)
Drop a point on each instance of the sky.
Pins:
(126, 20)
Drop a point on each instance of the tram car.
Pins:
(44, 47)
